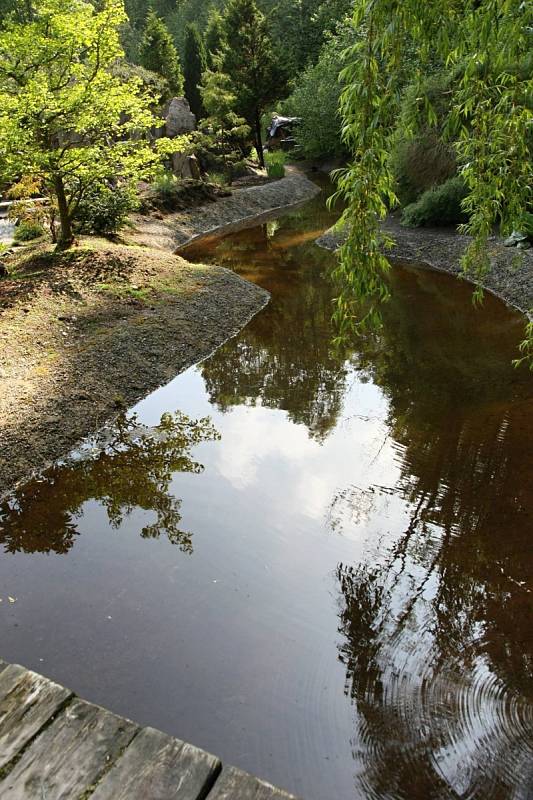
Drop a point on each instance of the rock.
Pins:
(514, 238)
(184, 166)
(178, 117)
(3, 270)
(523, 244)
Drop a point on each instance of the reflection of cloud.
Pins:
(263, 454)
(263, 432)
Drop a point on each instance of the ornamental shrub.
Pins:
(438, 206)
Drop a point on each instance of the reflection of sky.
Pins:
(291, 474)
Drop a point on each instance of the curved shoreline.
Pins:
(510, 276)
(246, 207)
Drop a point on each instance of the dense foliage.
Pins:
(485, 46)
(66, 120)
(194, 65)
(256, 78)
(157, 53)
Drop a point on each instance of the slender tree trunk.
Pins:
(258, 138)
(66, 237)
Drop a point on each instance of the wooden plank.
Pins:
(70, 756)
(159, 767)
(27, 702)
(234, 784)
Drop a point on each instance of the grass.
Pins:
(275, 163)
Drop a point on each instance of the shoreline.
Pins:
(510, 276)
(138, 308)
(246, 207)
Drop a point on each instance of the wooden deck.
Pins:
(54, 746)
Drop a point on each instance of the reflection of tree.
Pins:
(133, 470)
(436, 636)
(283, 358)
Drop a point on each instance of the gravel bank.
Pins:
(245, 207)
(86, 337)
(510, 276)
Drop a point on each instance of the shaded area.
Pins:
(134, 470)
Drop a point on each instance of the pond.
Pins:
(329, 582)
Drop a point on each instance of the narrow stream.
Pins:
(329, 584)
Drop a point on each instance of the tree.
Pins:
(214, 36)
(315, 100)
(486, 44)
(158, 53)
(248, 60)
(194, 64)
(65, 118)
(223, 133)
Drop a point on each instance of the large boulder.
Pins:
(178, 117)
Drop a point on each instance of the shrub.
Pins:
(315, 100)
(438, 206)
(28, 230)
(104, 210)
(275, 164)
(419, 164)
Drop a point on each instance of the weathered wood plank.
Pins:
(70, 756)
(159, 767)
(234, 784)
(27, 703)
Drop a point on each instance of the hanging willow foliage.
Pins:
(487, 45)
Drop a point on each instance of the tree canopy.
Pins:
(248, 59)
(194, 64)
(485, 46)
(66, 120)
(158, 53)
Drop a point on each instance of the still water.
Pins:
(328, 583)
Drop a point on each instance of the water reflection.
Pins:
(435, 621)
(130, 466)
(356, 620)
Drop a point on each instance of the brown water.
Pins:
(331, 585)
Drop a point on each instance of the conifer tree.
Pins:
(249, 61)
(158, 53)
(194, 65)
(214, 36)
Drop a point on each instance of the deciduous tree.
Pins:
(65, 117)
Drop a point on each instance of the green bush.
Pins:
(165, 184)
(275, 164)
(28, 230)
(438, 206)
(419, 164)
(104, 210)
(315, 100)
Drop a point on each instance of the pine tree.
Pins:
(194, 65)
(158, 53)
(249, 61)
(214, 36)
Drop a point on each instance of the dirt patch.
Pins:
(245, 207)
(510, 276)
(87, 334)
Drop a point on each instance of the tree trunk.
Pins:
(258, 138)
(66, 237)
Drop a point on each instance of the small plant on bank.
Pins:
(165, 185)
(438, 206)
(104, 210)
(275, 163)
(28, 230)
